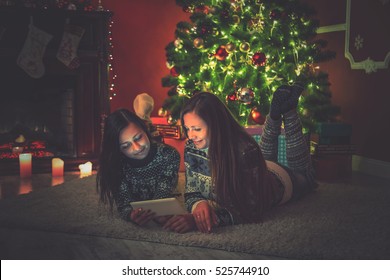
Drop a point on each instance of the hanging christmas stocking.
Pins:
(30, 58)
(67, 52)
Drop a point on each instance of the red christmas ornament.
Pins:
(256, 116)
(202, 9)
(221, 53)
(259, 59)
(231, 97)
(174, 72)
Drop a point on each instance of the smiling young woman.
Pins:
(196, 130)
(132, 167)
(230, 179)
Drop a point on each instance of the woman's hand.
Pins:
(180, 223)
(141, 217)
(205, 217)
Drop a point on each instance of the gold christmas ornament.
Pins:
(169, 64)
(245, 47)
(198, 43)
(171, 120)
(178, 43)
(236, 19)
(162, 112)
(230, 48)
(245, 95)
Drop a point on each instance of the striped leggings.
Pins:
(300, 168)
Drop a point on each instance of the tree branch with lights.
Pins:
(242, 51)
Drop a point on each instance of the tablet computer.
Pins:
(162, 207)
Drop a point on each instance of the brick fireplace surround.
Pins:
(63, 110)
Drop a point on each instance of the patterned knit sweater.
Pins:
(199, 185)
(154, 177)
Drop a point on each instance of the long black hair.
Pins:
(110, 171)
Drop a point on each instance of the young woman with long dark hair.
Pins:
(230, 179)
(132, 167)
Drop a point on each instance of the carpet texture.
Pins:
(339, 221)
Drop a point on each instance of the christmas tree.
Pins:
(242, 51)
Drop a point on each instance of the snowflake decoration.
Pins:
(247, 60)
(228, 69)
(359, 42)
(369, 66)
(256, 24)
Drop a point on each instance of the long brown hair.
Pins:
(227, 142)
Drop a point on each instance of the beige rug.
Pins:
(339, 221)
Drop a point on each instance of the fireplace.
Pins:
(59, 114)
(38, 120)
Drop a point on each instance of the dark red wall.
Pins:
(142, 29)
(364, 98)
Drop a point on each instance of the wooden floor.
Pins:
(29, 244)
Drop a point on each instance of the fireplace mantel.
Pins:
(89, 81)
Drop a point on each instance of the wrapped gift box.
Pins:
(333, 133)
(257, 130)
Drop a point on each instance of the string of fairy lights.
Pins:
(111, 75)
(242, 51)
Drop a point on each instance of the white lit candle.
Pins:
(85, 169)
(57, 167)
(25, 165)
